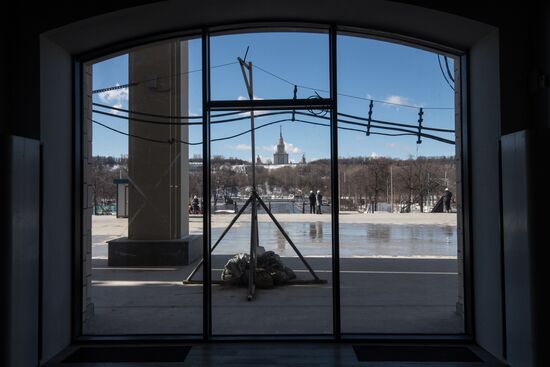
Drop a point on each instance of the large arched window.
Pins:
(298, 180)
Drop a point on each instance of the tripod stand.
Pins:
(254, 200)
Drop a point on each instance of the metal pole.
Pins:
(206, 275)
(252, 132)
(253, 247)
(391, 188)
(285, 235)
(255, 236)
(255, 200)
(219, 239)
(254, 233)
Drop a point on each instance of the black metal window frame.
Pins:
(330, 104)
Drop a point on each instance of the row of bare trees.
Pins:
(362, 180)
(103, 171)
(408, 182)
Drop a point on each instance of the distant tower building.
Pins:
(303, 159)
(281, 156)
(259, 161)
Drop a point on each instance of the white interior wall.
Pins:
(484, 125)
(56, 121)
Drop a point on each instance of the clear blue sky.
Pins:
(366, 68)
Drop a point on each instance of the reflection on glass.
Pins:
(397, 156)
(146, 178)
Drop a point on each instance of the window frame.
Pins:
(334, 30)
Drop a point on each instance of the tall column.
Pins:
(158, 172)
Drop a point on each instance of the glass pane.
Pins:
(400, 255)
(281, 61)
(142, 176)
(292, 159)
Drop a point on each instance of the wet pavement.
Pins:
(315, 239)
(369, 240)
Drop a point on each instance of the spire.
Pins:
(281, 131)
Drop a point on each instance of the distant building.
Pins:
(303, 161)
(280, 156)
(259, 161)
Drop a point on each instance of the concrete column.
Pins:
(158, 163)
(158, 172)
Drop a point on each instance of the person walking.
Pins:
(195, 204)
(447, 200)
(312, 200)
(319, 201)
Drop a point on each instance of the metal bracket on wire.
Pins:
(294, 98)
(369, 120)
(420, 113)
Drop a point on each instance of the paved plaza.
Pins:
(407, 282)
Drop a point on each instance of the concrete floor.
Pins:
(377, 296)
(416, 293)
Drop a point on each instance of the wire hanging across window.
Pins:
(369, 126)
(366, 125)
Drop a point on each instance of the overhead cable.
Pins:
(344, 94)
(168, 141)
(443, 73)
(173, 123)
(449, 69)
(384, 125)
(177, 117)
(283, 80)
(135, 83)
(402, 132)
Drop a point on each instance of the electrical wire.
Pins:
(396, 123)
(162, 116)
(430, 136)
(249, 130)
(399, 127)
(133, 84)
(352, 129)
(449, 69)
(443, 73)
(344, 94)
(170, 123)
(171, 141)
(248, 116)
(116, 87)
(403, 132)
(145, 113)
(287, 82)
(143, 137)
(244, 117)
(137, 119)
